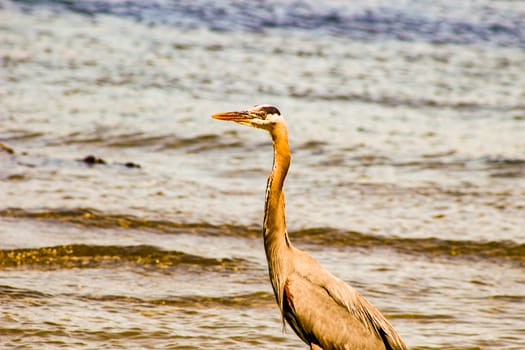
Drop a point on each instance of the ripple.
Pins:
(96, 256)
(81, 255)
(359, 21)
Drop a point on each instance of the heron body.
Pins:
(325, 312)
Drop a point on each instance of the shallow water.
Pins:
(407, 131)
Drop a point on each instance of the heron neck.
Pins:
(276, 243)
(274, 218)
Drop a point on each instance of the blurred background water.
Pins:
(129, 219)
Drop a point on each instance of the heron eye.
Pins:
(260, 114)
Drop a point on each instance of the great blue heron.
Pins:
(324, 312)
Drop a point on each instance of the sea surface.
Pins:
(129, 219)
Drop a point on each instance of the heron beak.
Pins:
(238, 117)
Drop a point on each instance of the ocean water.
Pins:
(129, 219)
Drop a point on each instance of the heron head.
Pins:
(260, 116)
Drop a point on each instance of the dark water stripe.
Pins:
(96, 219)
(18, 135)
(434, 247)
(258, 299)
(254, 299)
(395, 101)
(92, 256)
(359, 21)
(139, 139)
(56, 336)
(500, 251)
(21, 293)
(518, 299)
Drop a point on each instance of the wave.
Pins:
(394, 100)
(433, 247)
(21, 293)
(360, 21)
(496, 166)
(94, 218)
(256, 299)
(506, 167)
(252, 299)
(77, 255)
(96, 256)
(106, 138)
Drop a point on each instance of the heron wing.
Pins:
(324, 310)
(318, 319)
(358, 306)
